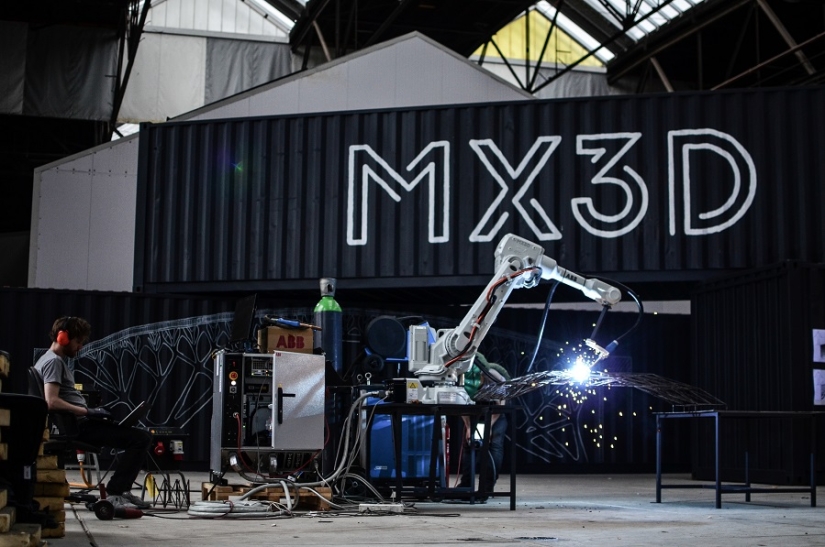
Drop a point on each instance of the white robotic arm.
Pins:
(519, 263)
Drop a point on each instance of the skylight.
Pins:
(282, 20)
(574, 31)
(614, 11)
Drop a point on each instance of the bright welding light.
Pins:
(580, 372)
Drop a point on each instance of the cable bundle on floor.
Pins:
(237, 509)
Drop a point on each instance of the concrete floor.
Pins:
(614, 510)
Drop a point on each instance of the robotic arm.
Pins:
(438, 360)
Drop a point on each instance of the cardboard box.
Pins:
(272, 339)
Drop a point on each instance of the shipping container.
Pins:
(753, 347)
(670, 188)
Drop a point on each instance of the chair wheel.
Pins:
(104, 510)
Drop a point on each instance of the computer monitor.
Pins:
(242, 322)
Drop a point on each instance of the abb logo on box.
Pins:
(290, 341)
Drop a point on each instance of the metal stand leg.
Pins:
(717, 451)
(512, 425)
(658, 459)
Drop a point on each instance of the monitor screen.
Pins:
(242, 322)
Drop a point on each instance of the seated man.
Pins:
(473, 380)
(68, 335)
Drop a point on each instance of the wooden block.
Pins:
(4, 451)
(47, 462)
(51, 475)
(15, 539)
(308, 500)
(7, 518)
(5, 416)
(219, 493)
(50, 504)
(51, 489)
(58, 532)
(40, 450)
(31, 530)
(4, 498)
(4, 366)
(304, 499)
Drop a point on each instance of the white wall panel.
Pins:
(181, 74)
(239, 109)
(172, 15)
(116, 159)
(242, 19)
(157, 15)
(373, 78)
(215, 11)
(287, 99)
(325, 90)
(63, 230)
(167, 79)
(83, 234)
(112, 231)
(201, 17)
(419, 70)
(227, 16)
(187, 14)
(141, 98)
(228, 21)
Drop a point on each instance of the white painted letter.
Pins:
(357, 194)
(579, 205)
(485, 148)
(681, 145)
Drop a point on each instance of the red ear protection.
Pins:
(63, 337)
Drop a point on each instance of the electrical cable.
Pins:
(236, 509)
(460, 458)
(599, 322)
(483, 313)
(367, 484)
(220, 509)
(641, 311)
(542, 325)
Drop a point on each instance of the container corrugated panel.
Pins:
(659, 188)
(753, 348)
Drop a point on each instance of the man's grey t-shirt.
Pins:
(54, 370)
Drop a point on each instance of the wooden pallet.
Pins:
(307, 501)
(50, 490)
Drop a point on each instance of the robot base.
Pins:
(444, 395)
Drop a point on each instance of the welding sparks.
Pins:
(580, 372)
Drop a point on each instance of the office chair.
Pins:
(63, 433)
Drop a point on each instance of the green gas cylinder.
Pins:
(328, 316)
